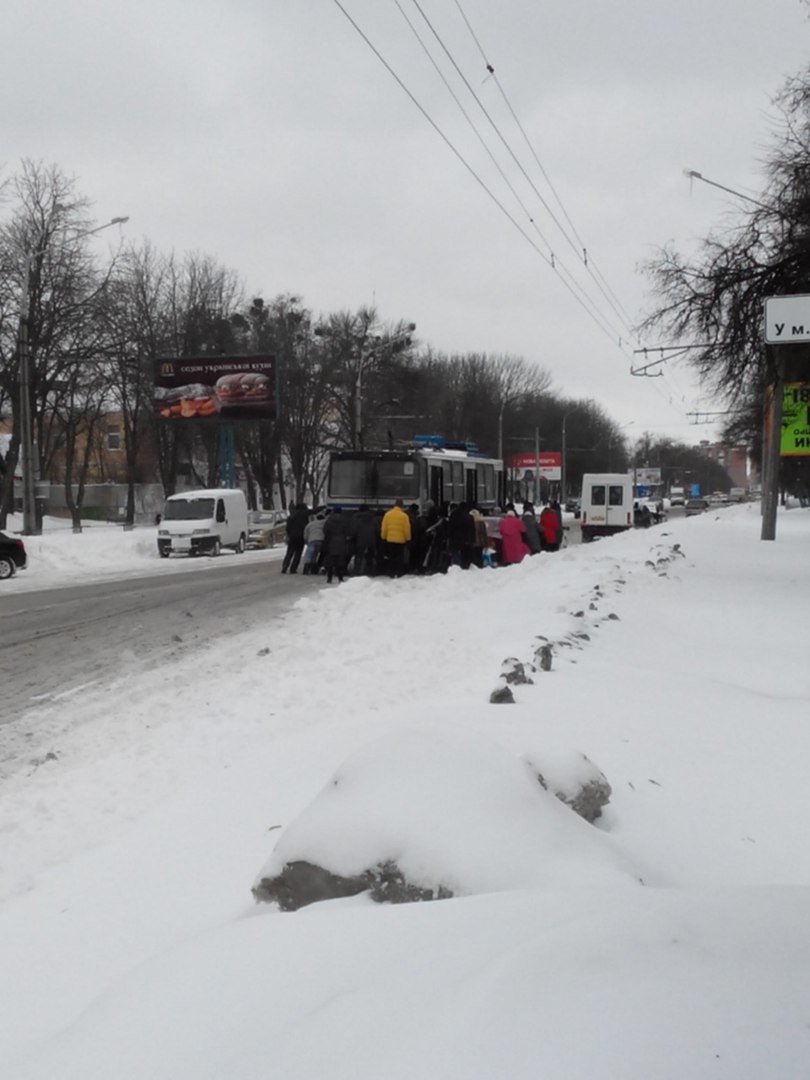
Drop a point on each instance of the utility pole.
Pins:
(773, 424)
(536, 464)
(30, 524)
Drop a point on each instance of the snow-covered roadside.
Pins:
(101, 552)
(128, 856)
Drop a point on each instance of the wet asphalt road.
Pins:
(53, 642)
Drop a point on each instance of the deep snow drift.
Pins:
(670, 939)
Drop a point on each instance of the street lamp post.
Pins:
(31, 525)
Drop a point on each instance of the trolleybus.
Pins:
(439, 472)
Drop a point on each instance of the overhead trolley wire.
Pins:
(549, 262)
(581, 252)
(556, 262)
(587, 258)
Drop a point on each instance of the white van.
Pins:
(203, 522)
(607, 504)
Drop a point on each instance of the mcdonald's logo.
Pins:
(167, 368)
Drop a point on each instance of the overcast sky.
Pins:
(268, 134)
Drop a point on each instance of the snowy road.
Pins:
(58, 642)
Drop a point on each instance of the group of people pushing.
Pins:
(427, 541)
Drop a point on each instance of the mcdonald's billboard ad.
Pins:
(220, 388)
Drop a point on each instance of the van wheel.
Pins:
(240, 547)
(163, 552)
(217, 548)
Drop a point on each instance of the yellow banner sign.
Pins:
(796, 420)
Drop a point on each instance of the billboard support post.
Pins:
(227, 468)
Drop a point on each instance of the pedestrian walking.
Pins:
(395, 533)
(294, 528)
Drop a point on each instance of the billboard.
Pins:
(219, 388)
(549, 462)
(795, 440)
(646, 476)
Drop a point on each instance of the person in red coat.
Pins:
(550, 529)
(513, 544)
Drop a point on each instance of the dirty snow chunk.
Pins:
(460, 814)
(514, 672)
(301, 883)
(576, 781)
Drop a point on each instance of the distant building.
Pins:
(734, 460)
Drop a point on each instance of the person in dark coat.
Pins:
(460, 536)
(533, 542)
(337, 533)
(366, 533)
(418, 546)
(435, 525)
(296, 523)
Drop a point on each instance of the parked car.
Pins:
(572, 506)
(695, 506)
(12, 556)
(266, 528)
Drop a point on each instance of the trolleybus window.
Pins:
(459, 494)
(353, 478)
(486, 483)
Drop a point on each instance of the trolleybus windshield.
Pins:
(372, 479)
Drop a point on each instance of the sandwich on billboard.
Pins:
(222, 388)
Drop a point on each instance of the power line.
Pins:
(549, 262)
(587, 260)
(557, 263)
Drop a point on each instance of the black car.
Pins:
(12, 556)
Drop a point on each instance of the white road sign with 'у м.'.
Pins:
(787, 319)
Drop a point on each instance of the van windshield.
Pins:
(189, 510)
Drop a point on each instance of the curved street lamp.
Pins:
(30, 524)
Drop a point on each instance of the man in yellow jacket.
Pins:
(395, 533)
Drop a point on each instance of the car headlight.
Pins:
(200, 532)
(163, 532)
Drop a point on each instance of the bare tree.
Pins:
(44, 254)
(714, 301)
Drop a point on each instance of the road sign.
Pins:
(787, 319)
